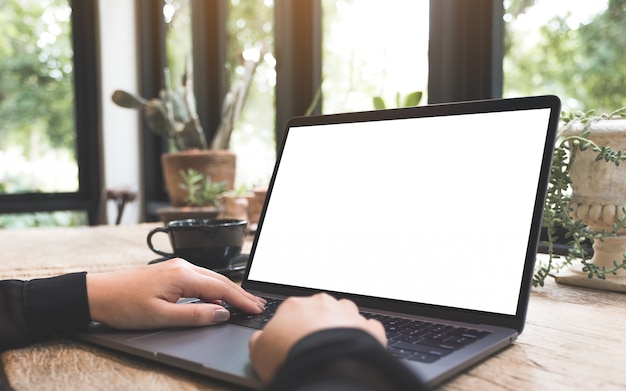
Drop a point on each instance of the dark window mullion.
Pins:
(466, 50)
(151, 44)
(209, 59)
(86, 103)
(298, 48)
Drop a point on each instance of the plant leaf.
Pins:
(379, 103)
(413, 99)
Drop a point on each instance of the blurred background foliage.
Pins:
(583, 62)
(36, 87)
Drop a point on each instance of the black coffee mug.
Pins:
(210, 243)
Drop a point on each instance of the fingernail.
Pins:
(221, 315)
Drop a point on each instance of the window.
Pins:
(307, 42)
(214, 38)
(250, 30)
(48, 132)
(249, 33)
(38, 134)
(575, 52)
(362, 59)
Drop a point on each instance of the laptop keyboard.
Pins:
(424, 341)
(409, 339)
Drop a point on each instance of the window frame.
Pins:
(466, 50)
(87, 123)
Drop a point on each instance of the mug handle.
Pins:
(152, 247)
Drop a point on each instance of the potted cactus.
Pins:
(173, 115)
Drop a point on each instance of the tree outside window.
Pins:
(37, 128)
(574, 50)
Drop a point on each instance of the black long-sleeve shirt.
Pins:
(346, 359)
(343, 359)
(35, 309)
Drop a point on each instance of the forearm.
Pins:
(32, 310)
(342, 359)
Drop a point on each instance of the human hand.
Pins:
(145, 297)
(298, 317)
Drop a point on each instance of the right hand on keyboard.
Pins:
(298, 317)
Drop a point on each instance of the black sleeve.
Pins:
(35, 309)
(346, 359)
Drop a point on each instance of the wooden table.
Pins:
(573, 337)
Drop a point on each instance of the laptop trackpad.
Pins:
(223, 348)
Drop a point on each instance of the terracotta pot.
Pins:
(234, 208)
(219, 165)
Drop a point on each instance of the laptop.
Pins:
(426, 215)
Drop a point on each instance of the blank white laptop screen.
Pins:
(433, 210)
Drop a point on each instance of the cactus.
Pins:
(172, 114)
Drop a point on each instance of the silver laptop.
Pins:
(427, 215)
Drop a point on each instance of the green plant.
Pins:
(173, 114)
(201, 190)
(557, 218)
(412, 99)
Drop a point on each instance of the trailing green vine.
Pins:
(557, 218)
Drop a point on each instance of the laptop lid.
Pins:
(432, 210)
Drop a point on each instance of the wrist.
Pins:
(95, 298)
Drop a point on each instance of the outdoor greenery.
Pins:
(173, 113)
(412, 99)
(43, 219)
(36, 97)
(557, 208)
(37, 130)
(36, 87)
(583, 64)
(361, 60)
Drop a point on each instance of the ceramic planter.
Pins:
(598, 199)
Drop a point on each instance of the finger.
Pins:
(349, 305)
(210, 286)
(223, 279)
(377, 330)
(192, 314)
(244, 300)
